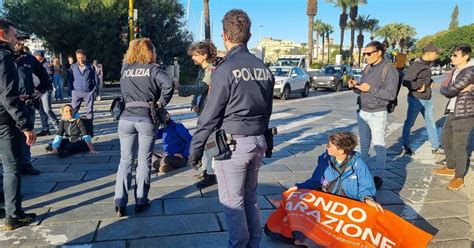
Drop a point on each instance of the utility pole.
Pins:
(130, 18)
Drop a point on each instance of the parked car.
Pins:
(334, 77)
(356, 74)
(290, 80)
(436, 71)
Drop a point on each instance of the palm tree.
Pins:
(317, 28)
(207, 25)
(353, 15)
(361, 24)
(323, 35)
(396, 33)
(405, 32)
(387, 32)
(329, 30)
(343, 4)
(372, 27)
(311, 9)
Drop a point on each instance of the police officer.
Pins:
(14, 119)
(240, 103)
(28, 65)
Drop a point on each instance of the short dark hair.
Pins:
(204, 47)
(70, 56)
(236, 24)
(5, 25)
(343, 140)
(377, 45)
(464, 49)
(80, 51)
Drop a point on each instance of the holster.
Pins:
(158, 114)
(269, 133)
(217, 145)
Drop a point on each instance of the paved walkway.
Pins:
(74, 196)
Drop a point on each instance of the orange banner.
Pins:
(334, 221)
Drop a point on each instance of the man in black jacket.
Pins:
(14, 119)
(460, 119)
(27, 67)
(418, 81)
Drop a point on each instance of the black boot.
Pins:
(28, 169)
(22, 220)
(207, 181)
(141, 208)
(120, 211)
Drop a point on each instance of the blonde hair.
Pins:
(140, 51)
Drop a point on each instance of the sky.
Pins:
(287, 19)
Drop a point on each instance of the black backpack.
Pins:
(117, 107)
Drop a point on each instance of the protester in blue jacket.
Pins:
(176, 141)
(341, 171)
(85, 82)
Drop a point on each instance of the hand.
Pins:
(374, 204)
(468, 88)
(364, 87)
(352, 83)
(422, 89)
(196, 164)
(37, 95)
(178, 155)
(292, 188)
(94, 152)
(195, 109)
(23, 97)
(30, 137)
(55, 150)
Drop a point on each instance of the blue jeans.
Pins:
(415, 106)
(237, 179)
(372, 130)
(58, 87)
(46, 111)
(11, 140)
(128, 133)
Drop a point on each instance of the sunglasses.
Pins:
(369, 53)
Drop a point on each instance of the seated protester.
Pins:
(72, 136)
(341, 171)
(176, 141)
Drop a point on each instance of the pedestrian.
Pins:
(73, 135)
(460, 116)
(240, 103)
(84, 85)
(203, 54)
(100, 74)
(46, 110)
(15, 128)
(142, 82)
(69, 77)
(28, 66)
(419, 83)
(377, 87)
(58, 79)
(176, 142)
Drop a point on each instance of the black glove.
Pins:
(196, 164)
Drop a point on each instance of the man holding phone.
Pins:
(377, 87)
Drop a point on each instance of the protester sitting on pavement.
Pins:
(73, 136)
(142, 82)
(176, 142)
(341, 171)
(460, 116)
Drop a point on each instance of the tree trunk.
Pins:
(351, 47)
(360, 44)
(329, 51)
(342, 25)
(207, 25)
(317, 46)
(323, 48)
(310, 38)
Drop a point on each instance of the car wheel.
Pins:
(286, 93)
(338, 87)
(305, 92)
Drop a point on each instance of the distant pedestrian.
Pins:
(15, 128)
(84, 85)
(69, 77)
(46, 110)
(377, 87)
(100, 74)
(419, 83)
(240, 105)
(142, 82)
(58, 79)
(460, 116)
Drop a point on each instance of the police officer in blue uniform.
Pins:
(240, 103)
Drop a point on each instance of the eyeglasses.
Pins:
(368, 53)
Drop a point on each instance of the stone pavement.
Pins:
(74, 196)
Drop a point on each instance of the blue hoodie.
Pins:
(357, 182)
(176, 139)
